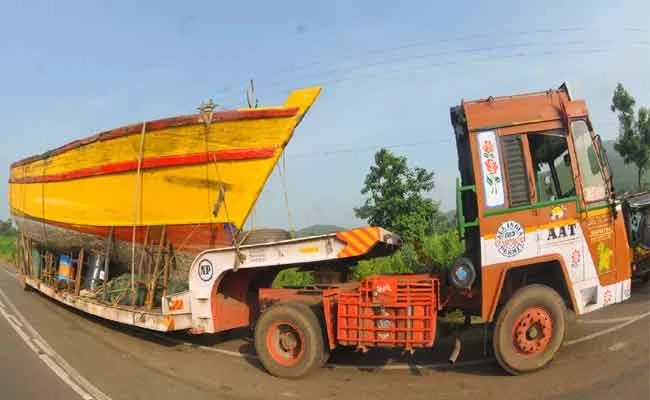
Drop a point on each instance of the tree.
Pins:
(633, 142)
(395, 197)
(7, 227)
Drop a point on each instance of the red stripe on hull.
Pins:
(219, 116)
(151, 163)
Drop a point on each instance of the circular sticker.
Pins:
(510, 239)
(205, 270)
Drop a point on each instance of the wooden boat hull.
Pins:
(198, 175)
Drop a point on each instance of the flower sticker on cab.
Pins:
(487, 147)
(491, 166)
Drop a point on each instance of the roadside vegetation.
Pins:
(7, 241)
(396, 199)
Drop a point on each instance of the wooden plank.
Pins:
(168, 258)
(107, 260)
(80, 266)
(143, 252)
(29, 257)
(19, 253)
(153, 278)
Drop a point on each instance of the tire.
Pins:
(266, 235)
(539, 311)
(304, 348)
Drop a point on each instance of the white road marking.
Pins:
(606, 320)
(19, 331)
(64, 377)
(617, 346)
(230, 353)
(48, 355)
(11, 274)
(606, 331)
(15, 320)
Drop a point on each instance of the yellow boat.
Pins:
(197, 175)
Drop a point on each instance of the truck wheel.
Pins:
(289, 340)
(529, 329)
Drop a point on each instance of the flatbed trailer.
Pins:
(221, 289)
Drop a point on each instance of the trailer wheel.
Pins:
(529, 329)
(289, 340)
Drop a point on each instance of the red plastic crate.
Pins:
(389, 311)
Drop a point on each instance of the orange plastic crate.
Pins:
(389, 311)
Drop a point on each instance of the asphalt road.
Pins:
(50, 351)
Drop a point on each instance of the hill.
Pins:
(315, 230)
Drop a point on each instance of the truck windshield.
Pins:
(591, 173)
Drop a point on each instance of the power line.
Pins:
(557, 48)
(499, 58)
(427, 43)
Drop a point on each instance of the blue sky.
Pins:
(389, 70)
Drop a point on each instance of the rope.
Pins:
(206, 110)
(283, 176)
(138, 179)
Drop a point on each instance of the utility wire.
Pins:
(428, 43)
(557, 48)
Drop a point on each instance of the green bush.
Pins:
(8, 247)
(440, 250)
(443, 248)
(292, 277)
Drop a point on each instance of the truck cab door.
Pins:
(601, 220)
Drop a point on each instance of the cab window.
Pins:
(552, 165)
(591, 173)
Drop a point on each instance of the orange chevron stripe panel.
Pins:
(358, 241)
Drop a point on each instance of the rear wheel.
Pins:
(529, 329)
(289, 340)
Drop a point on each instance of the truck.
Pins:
(544, 234)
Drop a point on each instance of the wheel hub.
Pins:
(285, 343)
(288, 341)
(532, 330)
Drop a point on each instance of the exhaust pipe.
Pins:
(456, 351)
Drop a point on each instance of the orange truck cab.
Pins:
(543, 228)
(544, 233)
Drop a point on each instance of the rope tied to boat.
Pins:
(136, 198)
(207, 109)
(283, 176)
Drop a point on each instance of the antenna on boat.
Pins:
(250, 95)
(207, 106)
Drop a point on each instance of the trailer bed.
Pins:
(135, 316)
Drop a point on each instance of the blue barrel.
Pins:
(66, 269)
(94, 275)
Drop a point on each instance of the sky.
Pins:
(390, 71)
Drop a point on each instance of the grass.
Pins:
(8, 247)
